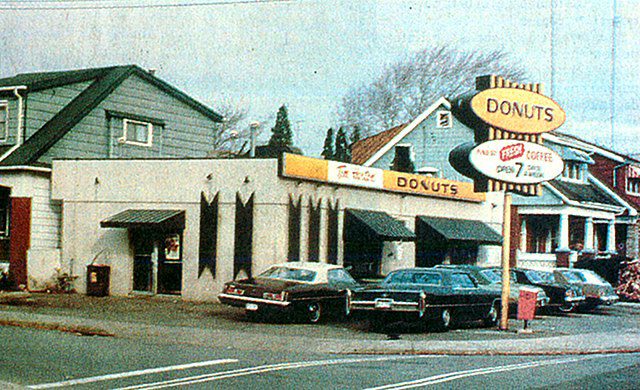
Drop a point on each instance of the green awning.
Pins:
(159, 219)
(462, 230)
(367, 224)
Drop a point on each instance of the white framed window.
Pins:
(137, 132)
(573, 171)
(443, 120)
(633, 185)
(4, 120)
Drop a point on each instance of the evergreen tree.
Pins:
(281, 135)
(356, 134)
(327, 150)
(342, 152)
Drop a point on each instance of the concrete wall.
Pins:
(93, 190)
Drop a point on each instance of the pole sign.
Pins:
(517, 110)
(516, 161)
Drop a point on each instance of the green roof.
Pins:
(135, 218)
(462, 230)
(106, 80)
(377, 224)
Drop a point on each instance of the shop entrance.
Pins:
(155, 237)
(365, 233)
(157, 262)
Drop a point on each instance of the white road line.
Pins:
(129, 374)
(432, 380)
(262, 369)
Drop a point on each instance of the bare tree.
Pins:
(408, 87)
(232, 134)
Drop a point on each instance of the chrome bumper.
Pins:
(253, 300)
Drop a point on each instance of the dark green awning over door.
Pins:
(362, 225)
(462, 230)
(135, 218)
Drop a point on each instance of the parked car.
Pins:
(562, 296)
(439, 296)
(596, 290)
(305, 290)
(491, 277)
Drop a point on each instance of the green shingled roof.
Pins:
(106, 80)
(583, 192)
(463, 230)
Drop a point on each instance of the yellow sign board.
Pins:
(301, 167)
(518, 110)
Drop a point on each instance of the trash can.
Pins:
(98, 280)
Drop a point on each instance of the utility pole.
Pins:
(614, 22)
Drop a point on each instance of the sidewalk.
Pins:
(210, 324)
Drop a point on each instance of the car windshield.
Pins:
(534, 276)
(572, 277)
(286, 273)
(429, 278)
(589, 277)
(492, 275)
(545, 276)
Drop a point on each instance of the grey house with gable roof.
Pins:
(112, 113)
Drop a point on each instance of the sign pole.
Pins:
(506, 248)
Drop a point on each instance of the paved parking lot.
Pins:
(173, 312)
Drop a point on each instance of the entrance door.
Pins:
(170, 265)
(143, 245)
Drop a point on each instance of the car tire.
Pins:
(313, 312)
(444, 320)
(492, 316)
(567, 307)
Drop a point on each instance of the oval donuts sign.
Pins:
(517, 110)
(516, 161)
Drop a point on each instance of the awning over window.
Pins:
(462, 230)
(367, 224)
(159, 219)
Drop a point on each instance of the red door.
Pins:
(20, 240)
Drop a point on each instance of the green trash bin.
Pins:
(98, 280)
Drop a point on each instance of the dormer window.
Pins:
(4, 121)
(137, 132)
(443, 120)
(573, 171)
(633, 185)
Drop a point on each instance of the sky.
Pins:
(307, 54)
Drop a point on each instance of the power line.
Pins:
(124, 6)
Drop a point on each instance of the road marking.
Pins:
(262, 369)
(432, 380)
(100, 378)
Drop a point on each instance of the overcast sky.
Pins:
(308, 53)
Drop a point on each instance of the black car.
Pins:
(296, 289)
(562, 296)
(439, 296)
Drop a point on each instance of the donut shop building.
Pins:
(185, 227)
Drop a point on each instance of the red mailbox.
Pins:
(527, 304)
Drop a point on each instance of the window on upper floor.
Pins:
(573, 170)
(4, 121)
(443, 120)
(137, 132)
(633, 185)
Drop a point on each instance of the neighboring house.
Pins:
(621, 174)
(113, 112)
(576, 212)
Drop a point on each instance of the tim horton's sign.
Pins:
(301, 167)
(515, 161)
(517, 110)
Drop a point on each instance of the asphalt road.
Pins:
(49, 359)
